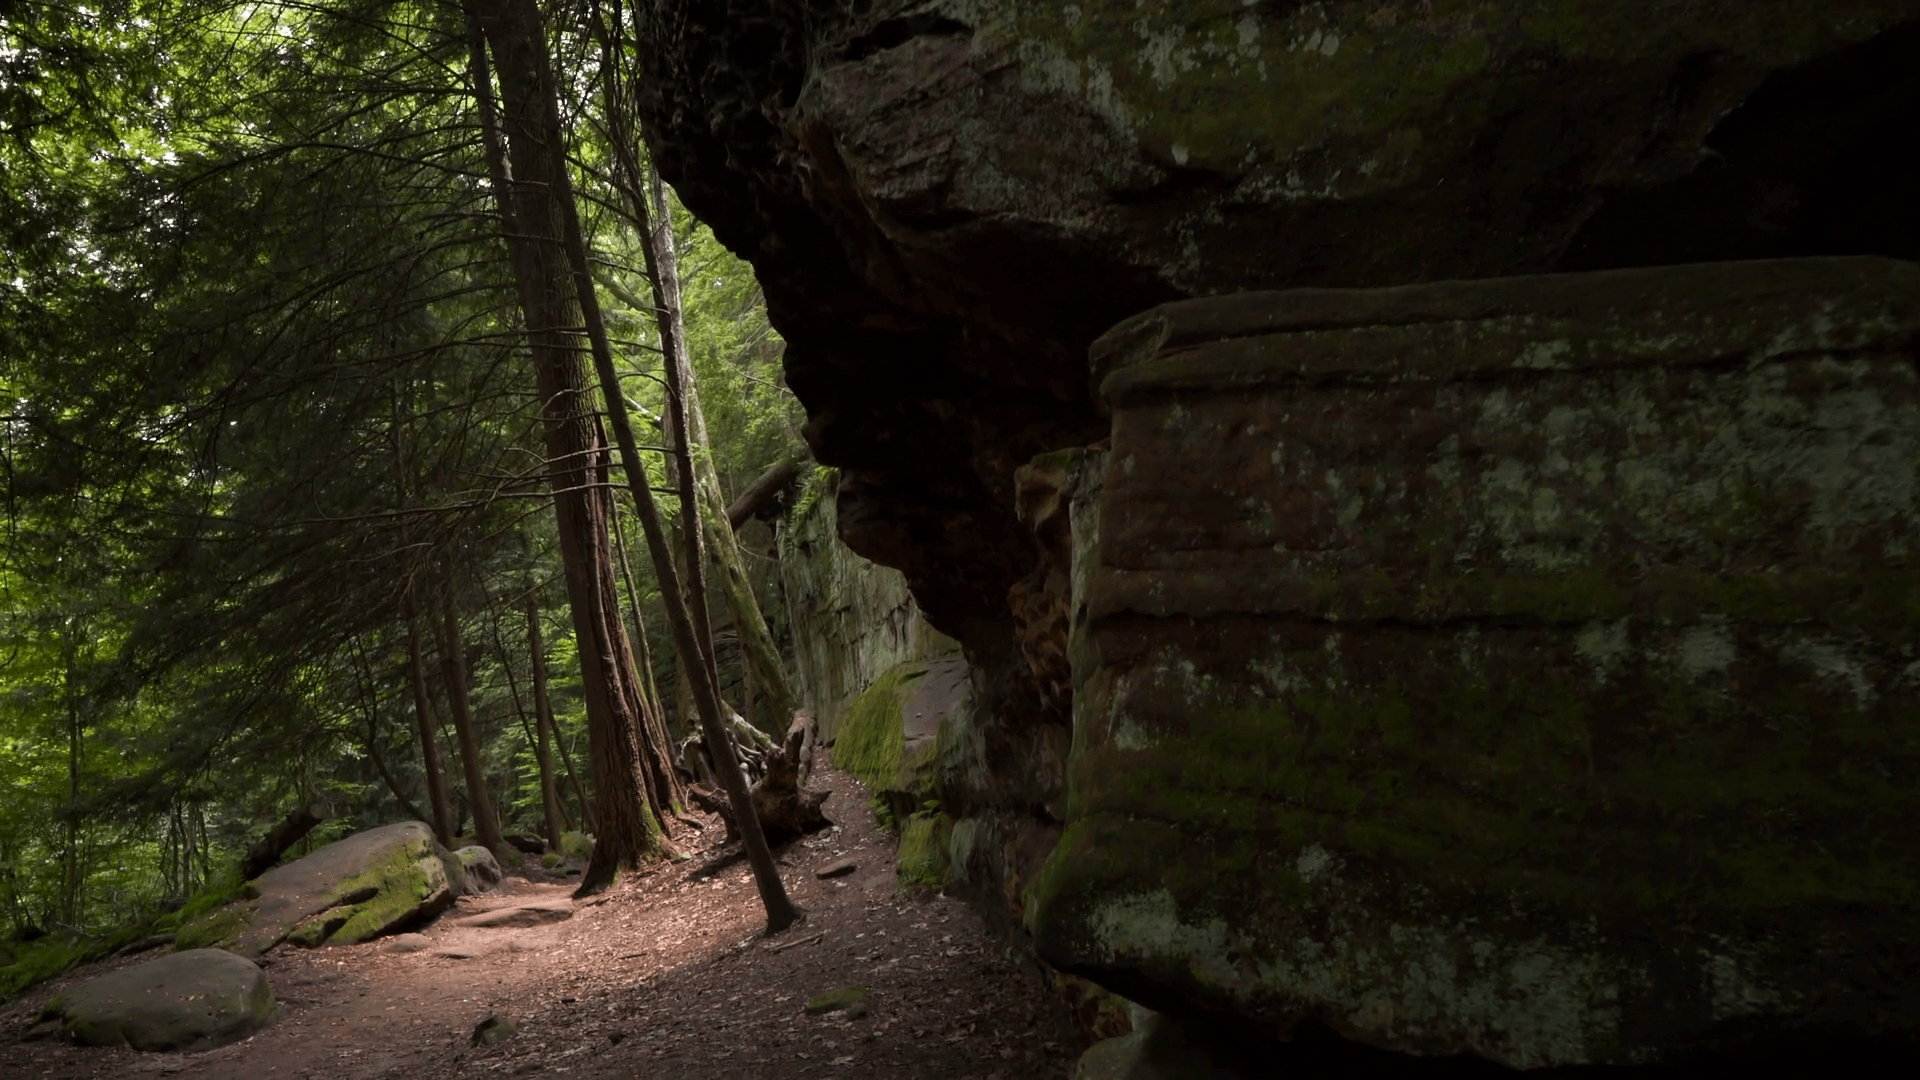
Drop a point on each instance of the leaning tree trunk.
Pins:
(756, 641)
(689, 639)
(453, 668)
(635, 784)
(263, 853)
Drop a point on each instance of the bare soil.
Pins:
(665, 975)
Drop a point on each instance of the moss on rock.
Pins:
(922, 859)
(1537, 685)
(871, 736)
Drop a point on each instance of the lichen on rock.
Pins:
(1368, 732)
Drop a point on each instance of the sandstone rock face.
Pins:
(186, 1001)
(349, 891)
(1533, 677)
(851, 619)
(947, 201)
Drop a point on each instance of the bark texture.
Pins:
(634, 785)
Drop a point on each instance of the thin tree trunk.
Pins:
(634, 783)
(423, 717)
(372, 699)
(543, 719)
(749, 623)
(71, 879)
(652, 710)
(773, 894)
(473, 764)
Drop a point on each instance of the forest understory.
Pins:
(667, 974)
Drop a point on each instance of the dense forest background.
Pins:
(277, 499)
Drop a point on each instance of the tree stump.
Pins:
(785, 806)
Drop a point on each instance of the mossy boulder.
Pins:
(353, 889)
(577, 846)
(1534, 678)
(188, 1000)
(479, 870)
(890, 735)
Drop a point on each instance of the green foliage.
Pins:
(819, 483)
(262, 387)
(39, 961)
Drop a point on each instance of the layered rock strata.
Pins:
(948, 200)
(1533, 677)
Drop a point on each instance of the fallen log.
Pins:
(266, 851)
(764, 487)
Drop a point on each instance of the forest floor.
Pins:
(665, 975)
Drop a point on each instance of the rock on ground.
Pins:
(349, 891)
(480, 870)
(539, 914)
(1167, 1048)
(188, 1000)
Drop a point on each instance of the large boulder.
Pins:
(353, 889)
(1533, 678)
(184, 1001)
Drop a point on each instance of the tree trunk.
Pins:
(72, 881)
(423, 716)
(633, 781)
(543, 719)
(751, 625)
(764, 487)
(652, 710)
(453, 667)
(773, 894)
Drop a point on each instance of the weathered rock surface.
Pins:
(1534, 678)
(479, 870)
(184, 1001)
(349, 891)
(851, 619)
(539, 914)
(947, 201)
(1169, 1048)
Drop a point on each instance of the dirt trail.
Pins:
(664, 976)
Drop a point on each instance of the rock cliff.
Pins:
(948, 201)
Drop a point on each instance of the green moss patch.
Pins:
(922, 858)
(872, 745)
(218, 927)
(836, 1000)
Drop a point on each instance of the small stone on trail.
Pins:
(404, 943)
(491, 1030)
(834, 1000)
(837, 868)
